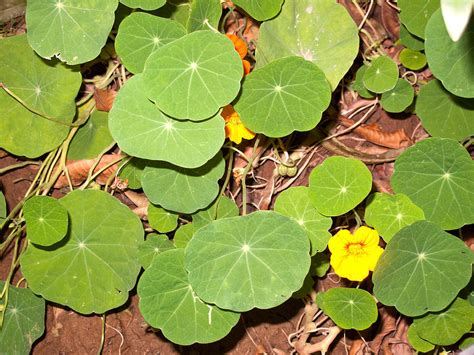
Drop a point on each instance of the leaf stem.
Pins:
(17, 166)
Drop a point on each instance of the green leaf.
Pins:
(306, 289)
(46, 220)
(23, 320)
(168, 302)
(46, 87)
(183, 235)
(162, 220)
(3, 207)
(414, 14)
(456, 14)
(319, 265)
(412, 60)
(141, 34)
(411, 41)
(260, 10)
(444, 114)
(359, 86)
(144, 4)
(192, 77)
(416, 342)
(448, 326)
(132, 172)
(74, 31)
(450, 62)
(204, 13)
(151, 247)
(223, 207)
(240, 263)
(338, 185)
(92, 138)
(321, 31)
(92, 269)
(399, 98)
(390, 213)
(422, 269)
(381, 75)
(349, 308)
(183, 190)
(177, 10)
(436, 174)
(287, 95)
(295, 203)
(143, 131)
(466, 343)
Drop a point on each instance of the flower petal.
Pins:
(367, 235)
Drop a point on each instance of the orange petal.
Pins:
(246, 64)
(239, 45)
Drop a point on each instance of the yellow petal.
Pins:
(350, 267)
(373, 255)
(338, 243)
(367, 235)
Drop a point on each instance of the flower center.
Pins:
(355, 248)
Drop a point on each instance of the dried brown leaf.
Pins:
(104, 99)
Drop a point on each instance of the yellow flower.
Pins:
(234, 128)
(353, 256)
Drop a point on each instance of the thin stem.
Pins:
(19, 165)
(357, 218)
(228, 173)
(244, 176)
(102, 338)
(101, 170)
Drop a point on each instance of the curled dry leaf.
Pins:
(387, 326)
(104, 99)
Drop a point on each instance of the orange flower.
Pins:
(234, 128)
(242, 49)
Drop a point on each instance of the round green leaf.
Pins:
(223, 207)
(168, 302)
(141, 34)
(349, 308)
(177, 10)
(444, 114)
(466, 343)
(3, 207)
(143, 131)
(205, 14)
(399, 98)
(287, 95)
(381, 75)
(295, 203)
(47, 87)
(358, 84)
(448, 326)
(92, 138)
(319, 265)
(162, 220)
(436, 174)
(192, 77)
(151, 247)
(416, 342)
(239, 263)
(92, 269)
(260, 10)
(183, 235)
(74, 31)
(338, 185)
(144, 4)
(414, 14)
(450, 62)
(410, 41)
(46, 220)
(183, 190)
(23, 320)
(411, 59)
(422, 269)
(390, 213)
(132, 173)
(321, 31)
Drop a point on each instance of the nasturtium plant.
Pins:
(240, 263)
(295, 203)
(418, 343)
(143, 131)
(92, 269)
(144, 4)
(3, 207)
(132, 173)
(260, 10)
(422, 269)
(450, 61)
(23, 320)
(349, 308)
(168, 302)
(319, 265)
(192, 77)
(409, 40)
(151, 247)
(320, 31)
(412, 59)
(381, 75)
(162, 220)
(183, 190)
(444, 114)
(456, 15)
(141, 34)
(414, 14)
(398, 98)
(47, 90)
(61, 28)
(338, 185)
(222, 207)
(287, 95)
(205, 15)
(436, 174)
(390, 213)
(46, 219)
(183, 235)
(359, 86)
(447, 326)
